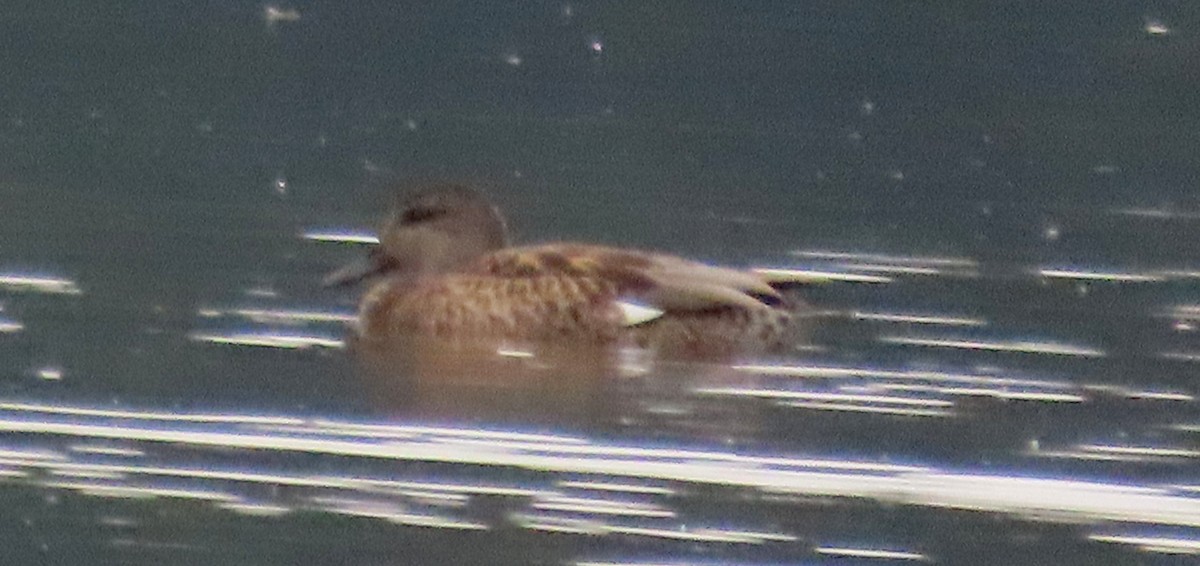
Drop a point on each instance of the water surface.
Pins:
(1002, 200)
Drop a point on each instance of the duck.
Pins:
(444, 271)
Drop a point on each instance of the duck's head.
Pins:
(436, 230)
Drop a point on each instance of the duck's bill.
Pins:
(367, 266)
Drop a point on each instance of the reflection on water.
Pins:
(38, 283)
(535, 482)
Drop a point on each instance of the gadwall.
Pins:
(444, 271)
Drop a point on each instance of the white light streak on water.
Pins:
(869, 553)
(31, 455)
(919, 319)
(157, 546)
(1184, 312)
(888, 259)
(559, 524)
(1125, 392)
(1155, 27)
(848, 408)
(1163, 545)
(699, 534)
(262, 292)
(402, 431)
(274, 14)
(1181, 356)
(817, 275)
(360, 434)
(1014, 395)
(617, 487)
(592, 506)
(1067, 500)
(87, 474)
(994, 392)
(107, 450)
(270, 340)
(341, 236)
(39, 284)
(1151, 451)
(138, 492)
(50, 373)
(815, 371)
(897, 269)
(1088, 275)
(146, 415)
(822, 396)
(1087, 456)
(657, 563)
(282, 316)
(1021, 346)
(255, 509)
(898, 265)
(1160, 213)
(464, 488)
(437, 498)
(392, 513)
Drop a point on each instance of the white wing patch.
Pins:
(633, 314)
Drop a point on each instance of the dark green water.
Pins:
(1015, 384)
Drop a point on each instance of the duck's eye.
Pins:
(414, 215)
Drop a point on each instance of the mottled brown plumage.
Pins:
(449, 274)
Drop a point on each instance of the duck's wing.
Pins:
(661, 281)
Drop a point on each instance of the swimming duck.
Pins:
(444, 270)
